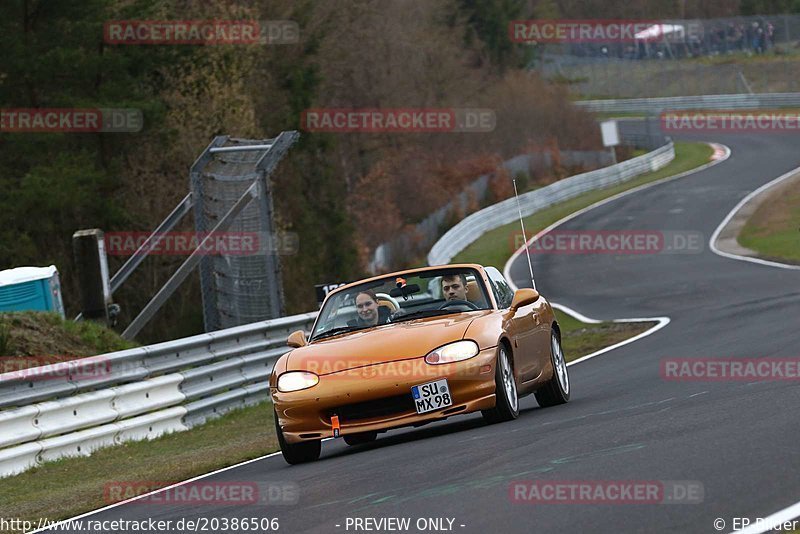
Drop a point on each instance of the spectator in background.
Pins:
(756, 37)
(770, 35)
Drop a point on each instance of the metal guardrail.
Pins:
(471, 228)
(72, 408)
(657, 105)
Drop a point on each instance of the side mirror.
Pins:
(523, 297)
(297, 339)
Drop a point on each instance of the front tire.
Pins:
(507, 405)
(556, 390)
(297, 453)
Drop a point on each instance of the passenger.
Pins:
(370, 313)
(454, 286)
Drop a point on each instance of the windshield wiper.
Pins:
(422, 313)
(335, 331)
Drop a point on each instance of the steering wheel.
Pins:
(457, 302)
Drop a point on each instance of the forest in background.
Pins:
(342, 194)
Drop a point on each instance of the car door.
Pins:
(532, 337)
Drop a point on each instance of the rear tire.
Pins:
(360, 438)
(507, 405)
(297, 453)
(556, 390)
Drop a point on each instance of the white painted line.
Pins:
(712, 243)
(779, 517)
(662, 322)
(110, 506)
(696, 394)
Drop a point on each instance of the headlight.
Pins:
(296, 380)
(454, 352)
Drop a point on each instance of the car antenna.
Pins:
(524, 237)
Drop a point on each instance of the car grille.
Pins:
(374, 408)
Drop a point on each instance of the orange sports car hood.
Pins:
(386, 343)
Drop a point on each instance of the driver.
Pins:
(369, 312)
(454, 286)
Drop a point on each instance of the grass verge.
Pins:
(773, 231)
(38, 338)
(70, 486)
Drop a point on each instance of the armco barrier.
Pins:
(72, 408)
(471, 228)
(657, 105)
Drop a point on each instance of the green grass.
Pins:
(773, 231)
(70, 486)
(779, 245)
(496, 246)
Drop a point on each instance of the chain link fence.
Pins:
(244, 287)
(712, 56)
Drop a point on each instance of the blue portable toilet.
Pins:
(31, 288)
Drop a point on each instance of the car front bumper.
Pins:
(378, 397)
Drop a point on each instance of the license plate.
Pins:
(432, 396)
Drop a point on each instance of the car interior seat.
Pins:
(473, 292)
(386, 303)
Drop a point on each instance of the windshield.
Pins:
(395, 299)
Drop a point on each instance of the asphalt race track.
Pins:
(740, 440)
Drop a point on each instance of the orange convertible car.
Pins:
(413, 347)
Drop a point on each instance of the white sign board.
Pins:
(610, 133)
